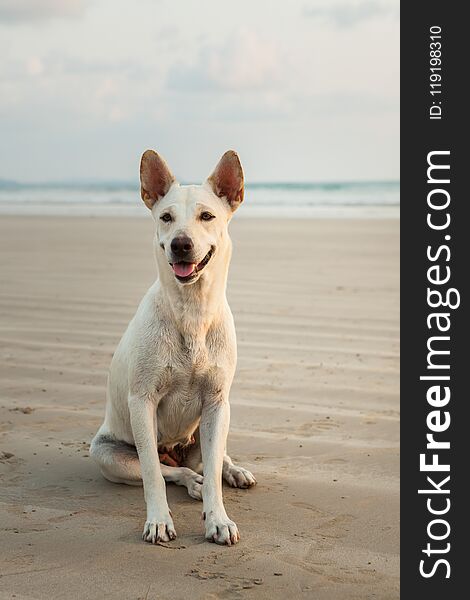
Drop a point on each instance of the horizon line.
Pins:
(131, 183)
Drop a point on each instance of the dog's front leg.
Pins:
(159, 524)
(213, 429)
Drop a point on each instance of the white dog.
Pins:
(170, 377)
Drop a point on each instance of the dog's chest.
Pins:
(194, 378)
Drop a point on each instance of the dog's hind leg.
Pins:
(119, 463)
(236, 476)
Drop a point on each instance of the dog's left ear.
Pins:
(155, 177)
(227, 179)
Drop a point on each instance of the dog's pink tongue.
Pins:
(183, 269)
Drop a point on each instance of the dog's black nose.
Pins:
(181, 246)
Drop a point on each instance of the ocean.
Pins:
(279, 200)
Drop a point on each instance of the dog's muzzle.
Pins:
(186, 271)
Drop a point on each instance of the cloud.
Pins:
(283, 88)
(17, 11)
(348, 14)
(242, 63)
(35, 66)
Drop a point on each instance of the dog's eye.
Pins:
(206, 216)
(166, 217)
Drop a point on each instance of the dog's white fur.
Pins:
(171, 374)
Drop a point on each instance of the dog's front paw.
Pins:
(159, 530)
(238, 477)
(221, 530)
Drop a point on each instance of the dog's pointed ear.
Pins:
(227, 179)
(155, 178)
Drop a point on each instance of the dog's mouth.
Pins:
(187, 271)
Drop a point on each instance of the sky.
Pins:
(304, 90)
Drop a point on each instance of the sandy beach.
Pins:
(314, 415)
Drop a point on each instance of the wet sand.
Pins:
(314, 415)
